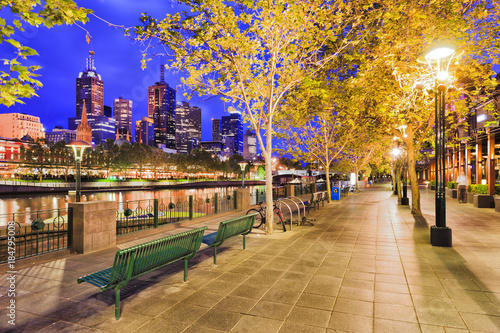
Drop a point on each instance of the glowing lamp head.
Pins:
(439, 53)
(242, 165)
(395, 152)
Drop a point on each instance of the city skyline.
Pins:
(63, 51)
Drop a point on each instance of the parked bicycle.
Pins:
(261, 218)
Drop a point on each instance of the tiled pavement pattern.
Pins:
(366, 265)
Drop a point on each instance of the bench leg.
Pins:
(215, 256)
(244, 242)
(117, 304)
(185, 270)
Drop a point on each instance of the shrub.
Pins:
(433, 183)
(451, 185)
(479, 189)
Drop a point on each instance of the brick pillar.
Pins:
(455, 164)
(490, 164)
(479, 159)
(94, 225)
(242, 199)
(468, 164)
(290, 190)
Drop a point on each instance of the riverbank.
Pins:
(12, 188)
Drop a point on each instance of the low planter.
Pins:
(451, 192)
(497, 204)
(470, 197)
(433, 187)
(484, 201)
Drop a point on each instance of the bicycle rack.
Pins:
(280, 201)
(302, 202)
(298, 209)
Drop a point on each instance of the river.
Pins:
(30, 203)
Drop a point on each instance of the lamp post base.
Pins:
(405, 201)
(440, 236)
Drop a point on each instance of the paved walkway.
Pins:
(366, 265)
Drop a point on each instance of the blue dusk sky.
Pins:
(63, 51)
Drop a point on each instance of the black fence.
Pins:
(29, 234)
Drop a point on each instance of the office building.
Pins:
(231, 129)
(213, 147)
(216, 130)
(102, 128)
(161, 108)
(187, 127)
(145, 131)
(59, 133)
(108, 111)
(122, 113)
(18, 125)
(89, 88)
(249, 145)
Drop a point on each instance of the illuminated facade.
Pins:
(90, 88)
(18, 125)
(187, 127)
(161, 108)
(59, 134)
(231, 129)
(216, 130)
(145, 131)
(249, 145)
(122, 112)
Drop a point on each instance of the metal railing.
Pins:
(29, 234)
(133, 216)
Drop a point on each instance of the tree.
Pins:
(61, 156)
(388, 69)
(108, 152)
(139, 157)
(19, 80)
(251, 53)
(36, 157)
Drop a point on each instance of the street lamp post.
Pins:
(439, 58)
(242, 165)
(404, 199)
(78, 148)
(395, 152)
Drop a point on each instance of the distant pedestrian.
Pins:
(462, 187)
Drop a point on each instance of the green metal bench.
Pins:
(144, 258)
(242, 225)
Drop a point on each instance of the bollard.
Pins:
(156, 213)
(190, 207)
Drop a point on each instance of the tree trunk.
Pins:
(412, 173)
(400, 184)
(269, 183)
(328, 188)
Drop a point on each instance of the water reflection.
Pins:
(33, 203)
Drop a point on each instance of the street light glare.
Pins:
(439, 53)
(442, 75)
(395, 152)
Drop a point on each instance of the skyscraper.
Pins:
(231, 130)
(216, 130)
(89, 88)
(122, 112)
(187, 127)
(249, 145)
(145, 131)
(161, 108)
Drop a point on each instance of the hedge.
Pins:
(451, 185)
(482, 189)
